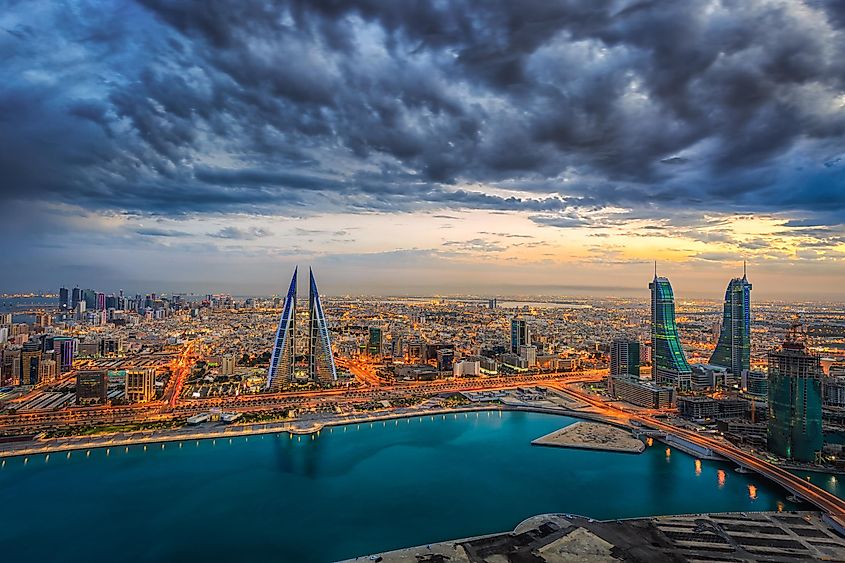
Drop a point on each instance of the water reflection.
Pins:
(698, 468)
(721, 476)
(752, 492)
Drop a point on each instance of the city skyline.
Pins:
(535, 226)
(556, 149)
(514, 291)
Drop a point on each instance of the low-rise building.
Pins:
(91, 387)
(642, 393)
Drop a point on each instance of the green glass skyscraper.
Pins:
(669, 364)
(733, 350)
(795, 402)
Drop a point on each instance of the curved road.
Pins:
(824, 500)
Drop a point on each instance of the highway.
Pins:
(172, 406)
(180, 368)
(824, 500)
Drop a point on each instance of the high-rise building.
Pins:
(520, 336)
(283, 356)
(445, 359)
(669, 364)
(529, 354)
(320, 362)
(43, 320)
(90, 298)
(64, 347)
(795, 401)
(64, 298)
(47, 370)
(625, 358)
(321, 366)
(75, 297)
(30, 363)
(101, 301)
(374, 342)
(10, 367)
(91, 387)
(733, 350)
(140, 385)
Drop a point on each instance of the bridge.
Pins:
(823, 500)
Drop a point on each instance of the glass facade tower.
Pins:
(283, 356)
(321, 366)
(320, 360)
(519, 335)
(669, 364)
(733, 350)
(625, 358)
(795, 402)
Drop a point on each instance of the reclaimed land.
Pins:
(592, 436)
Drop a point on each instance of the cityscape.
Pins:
(574, 281)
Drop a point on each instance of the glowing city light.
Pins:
(721, 476)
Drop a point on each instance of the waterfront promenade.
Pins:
(296, 427)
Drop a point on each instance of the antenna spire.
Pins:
(744, 270)
(655, 268)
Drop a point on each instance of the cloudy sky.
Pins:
(424, 147)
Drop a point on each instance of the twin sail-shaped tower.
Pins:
(320, 366)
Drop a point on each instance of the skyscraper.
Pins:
(283, 357)
(30, 365)
(64, 347)
(795, 401)
(374, 342)
(733, 351)
(669, 364)
(321, 367)
(64, 297)
(519, 335)
(625, 358)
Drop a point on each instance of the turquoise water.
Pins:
(351, 491)
(830, 482)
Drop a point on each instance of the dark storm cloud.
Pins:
(172, 107)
